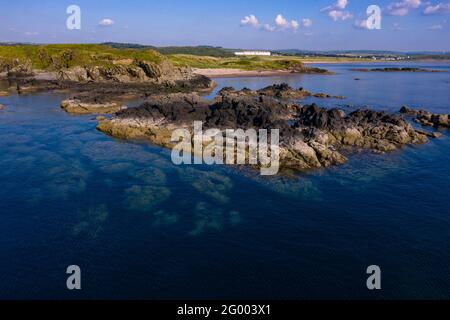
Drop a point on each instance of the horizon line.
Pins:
(221, 47)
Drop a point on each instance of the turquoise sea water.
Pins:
(141, 227)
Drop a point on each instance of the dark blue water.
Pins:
(140, 227)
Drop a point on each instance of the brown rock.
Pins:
(440, 120)
(78, 107)
(77, 73)
(310, 137)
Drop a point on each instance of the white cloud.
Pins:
(403, 7)
(437, 9)
(336, 11)
(307, 22)
(436, 27)
(269, 28)
(339, 15)
(250, 20)
(361, 24)
(339, 5)
(281, 22)
(29, 33)
(106, 22)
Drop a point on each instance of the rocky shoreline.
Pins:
(94, 89)
(310, 137)
(426, 118)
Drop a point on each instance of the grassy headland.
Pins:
(241, 63)
(65, 56)
(54, 57)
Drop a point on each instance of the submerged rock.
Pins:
(93, 220)
(2, 107)
(145, 198)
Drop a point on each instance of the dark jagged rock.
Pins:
(279, 91)
(310, 136)
(284, 91)
(427, 118)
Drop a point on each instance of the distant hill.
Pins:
(196, 51)
(366, 53)
(221, 52)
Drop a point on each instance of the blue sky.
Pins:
(407, 25)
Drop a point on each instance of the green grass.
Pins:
(59, 56)
(197, 50)
(53, 57)
(244, 63)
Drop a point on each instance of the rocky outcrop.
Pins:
(138, 71)
(365, 129)
(327, 96)
(310, 137)
(78, 74)
(78, 107)
(427, 118)
(17, 68)
(280, 91)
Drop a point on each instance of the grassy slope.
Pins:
(50, 57)
(244, 63)
(333, 59)
(54, 57)
(197, 50)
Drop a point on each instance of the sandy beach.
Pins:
(223, 73)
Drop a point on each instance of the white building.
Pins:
(253, 53)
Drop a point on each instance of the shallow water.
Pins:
(141, 227)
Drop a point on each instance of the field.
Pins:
(53, 57)
(242, 63)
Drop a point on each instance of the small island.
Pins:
(396, 70)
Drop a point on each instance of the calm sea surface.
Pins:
(141, 227)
